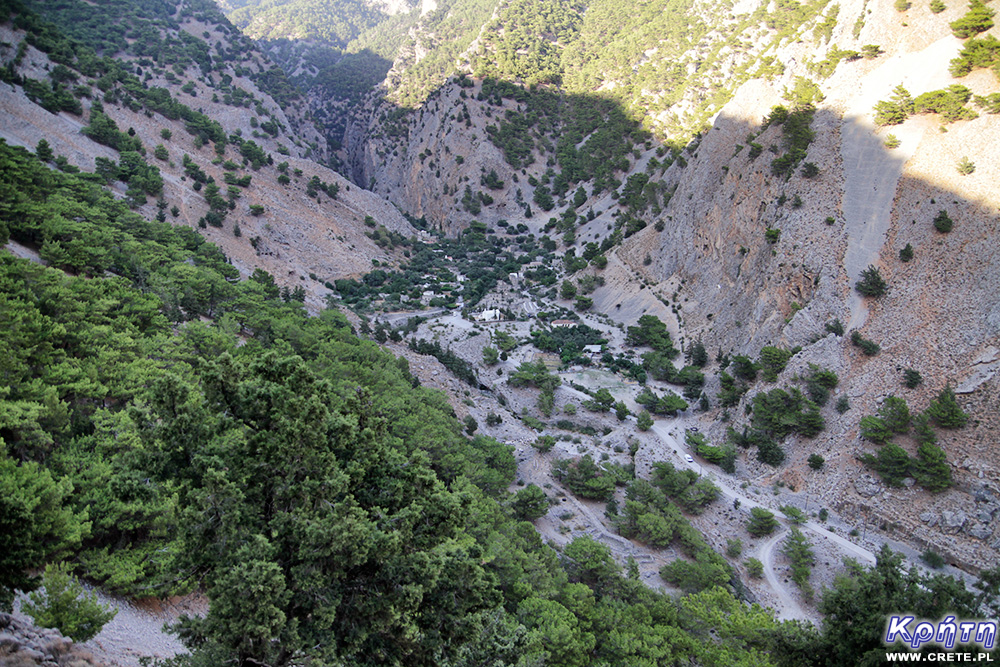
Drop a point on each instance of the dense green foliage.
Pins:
(761, 522)
(978, 19)
(336, 23)
(301, 464)
(871, 283)
(975, 54)
(65, 606)
(929, 467)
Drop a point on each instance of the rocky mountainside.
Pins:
(743, 229)
(802, 194)
(291, 216)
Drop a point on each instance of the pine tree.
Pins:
(945, 411)
(871, 283)
(930, 468)
(43, 151)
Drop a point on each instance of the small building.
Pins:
(562, 323)
(490, 315)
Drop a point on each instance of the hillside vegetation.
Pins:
(667, 206)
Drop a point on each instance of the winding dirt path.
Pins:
(790, 608)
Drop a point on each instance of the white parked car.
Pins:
(687, 457)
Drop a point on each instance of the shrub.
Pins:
(896, 110)
(871, 283)
(892, 463)
(901, 5)
(772, 361)
(761, 522)
(644, 421)
(816, 461)
(843, 405)
(65, 606)
(798, 550)
(794, 514)
(937, 6)
(945, 411)
(978, 19)
(584, 478)
(949, 102)
(868, 347)
(930, 468)
(943, 222)
(871, 51)
(896, 414)
(965, 166)
(932, 559)
(544, 443)
(754, 568)
(530, 503)
(835, 327)
(906, 253)
(912, 378)
(734, 547)
(892, 141)
(819, 383)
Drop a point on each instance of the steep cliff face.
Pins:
(939, 315)
(300, 233)
(423, 160)
(740, 257)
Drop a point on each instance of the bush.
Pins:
(892, 141)
(978, 19)
(875, 429)
(734, 547)
(912, 378)
(892, 463)
(965, 166)
(932, 559)
(584, 478)
(906, 253)
(794, 514)
(798, 550)
(868, 347)
(943, 222)
(945, 411)
(896, 414)
(901, 5)
(470, 424)
(644, 421)
(871, 283)
(896, 110)
(835, 327)
(64, 605)
(816, 461)
(843, 405)
(930, 468)
(772, 361)
(937, 6)
(530, 503)
(544, 443)
(754, 568)
(761, 522)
